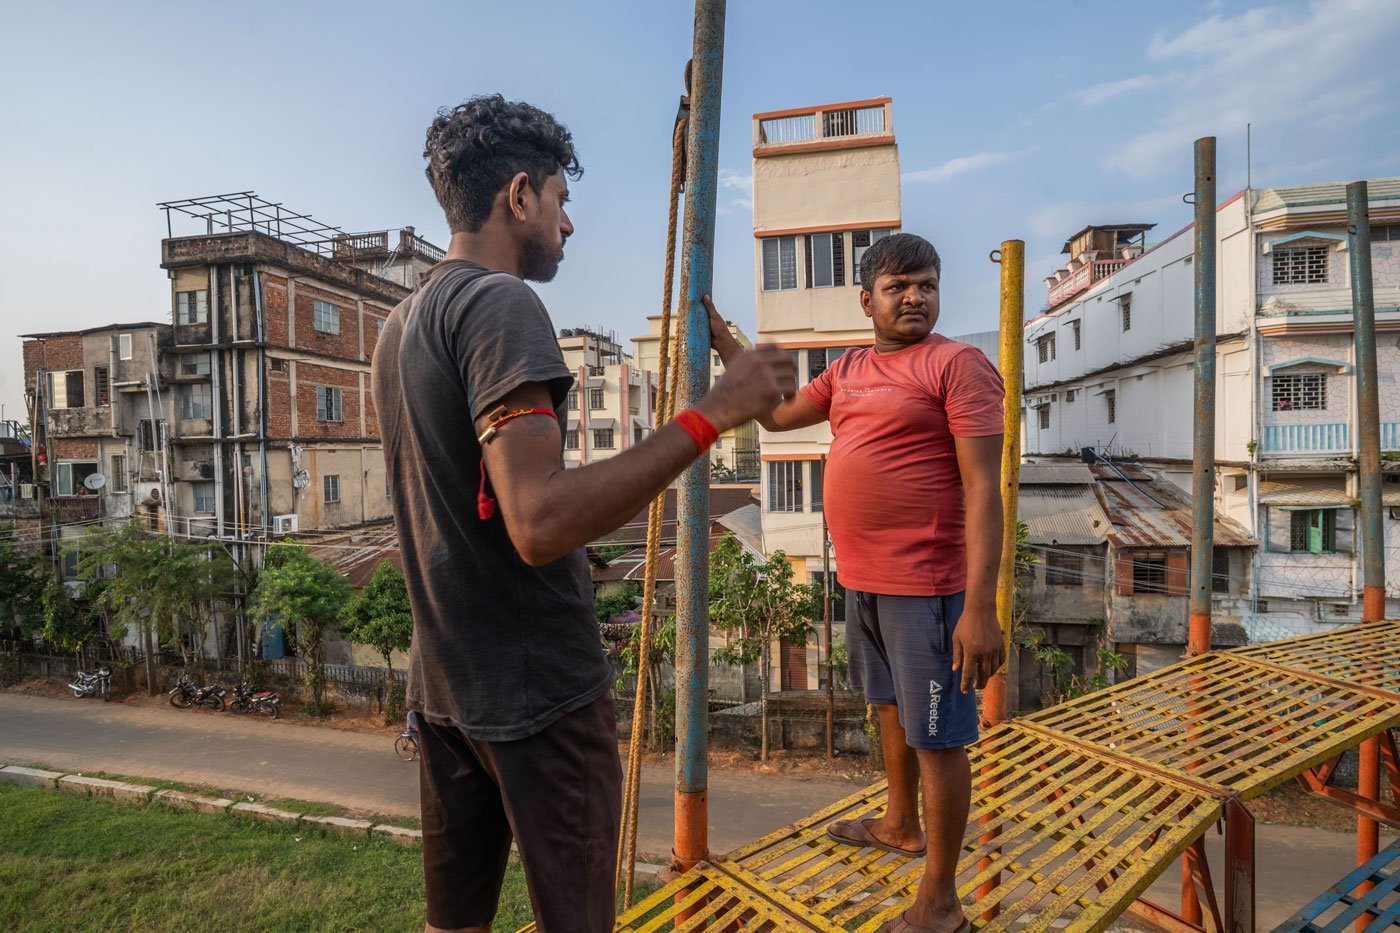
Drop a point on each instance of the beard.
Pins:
(539, 260)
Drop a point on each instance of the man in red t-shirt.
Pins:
(912, 498)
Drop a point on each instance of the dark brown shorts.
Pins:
(558, 794)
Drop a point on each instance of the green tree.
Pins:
(755, 603)
(22, 581)
(306, 596)
(65, 626)
(662, 654)
(624, 599)
(164, 589)
(380, 617)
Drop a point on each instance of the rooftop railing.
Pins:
(786, 128)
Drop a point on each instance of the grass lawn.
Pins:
(72, 864)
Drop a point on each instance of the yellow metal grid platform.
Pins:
(1078, 809)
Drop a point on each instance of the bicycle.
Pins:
(406, 745)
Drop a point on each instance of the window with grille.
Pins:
(119, 481)
(203, 497)
(779, 263)
(197, 401)
(1219, 570)
(817, 483)
(1074, 326)
(279, 365)
(1300, 265)
(1125, 308)
(1045, 348)
(862, 240)
(571, 440)
(1385, 233)
(1313, 531)
(330, 486)
(192, 307)
(325, 317)
(1112, 399)
(196, 364)
(1044, 415)
(595, 399)
(819, 358)
(1150, 573)
(69, 477)
(151, 434)
(1064, 569)
(102, 385)
(1070, 395)
(1300, 391)
(573, 400)
(329, 404)
(603, 439)
(785, 486)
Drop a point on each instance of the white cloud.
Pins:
(1062, 218)
(742, 184)
(1097, 94)
(1289, 68)
(961, 165)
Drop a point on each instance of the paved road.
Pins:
(359, 771)
(352, 769)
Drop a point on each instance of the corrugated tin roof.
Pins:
(1318, 493)
(1062, 515)
(1156, 513)
(1034, 474)
(1305, 491)
(1271, 199)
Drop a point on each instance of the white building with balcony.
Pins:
(611, 403)
(1109, 366)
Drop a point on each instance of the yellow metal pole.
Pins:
(1012, 257)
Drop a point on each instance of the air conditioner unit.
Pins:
(26, 490)
(284, 524)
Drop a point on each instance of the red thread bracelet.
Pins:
(485, 504)
(700, 429)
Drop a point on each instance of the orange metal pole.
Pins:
(1368, 831)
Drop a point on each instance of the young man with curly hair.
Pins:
(912, 494)
(507, 673)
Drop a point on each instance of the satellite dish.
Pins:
(95, 481)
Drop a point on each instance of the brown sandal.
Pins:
(857, 833)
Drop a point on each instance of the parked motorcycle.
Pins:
(187, 693)
(246, 700)
(98, 683)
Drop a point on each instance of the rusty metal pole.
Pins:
(693, 499)
(1012, 258)
(1372, 536)
(1368, 406)
(1203, 448)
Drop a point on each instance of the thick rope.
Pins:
(664, 410)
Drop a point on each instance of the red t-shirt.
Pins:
(892, 490)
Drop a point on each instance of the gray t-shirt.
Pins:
(500, 649)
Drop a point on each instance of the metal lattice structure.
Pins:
(1338, 909)
(1078, 809)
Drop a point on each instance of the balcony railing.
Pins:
(823, 124)
(1081, 278)
(1330, 438)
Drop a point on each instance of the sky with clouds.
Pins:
(1014, 120)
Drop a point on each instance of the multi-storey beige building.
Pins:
(825, 187)
(610, 405)
(737, 449)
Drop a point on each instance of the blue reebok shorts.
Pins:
(901, 654)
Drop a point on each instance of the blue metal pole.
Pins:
(693, 501)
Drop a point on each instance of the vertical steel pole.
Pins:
(1203, 449)
(693, 532)
(1013, 307)
(1368, 413)
(1368, 406)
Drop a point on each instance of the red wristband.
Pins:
(701, 431)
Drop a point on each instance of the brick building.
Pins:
(275, 319)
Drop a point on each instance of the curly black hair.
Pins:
(476, 148)
(897, 255)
